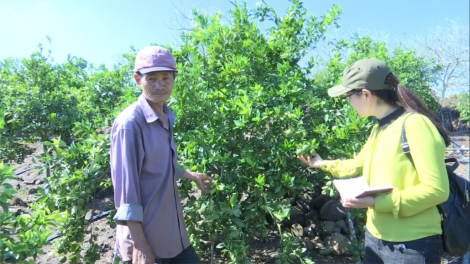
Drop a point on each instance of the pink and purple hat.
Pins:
(154, 58)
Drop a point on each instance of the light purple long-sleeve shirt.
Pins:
(144, 174)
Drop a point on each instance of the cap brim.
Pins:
(156, 69)
(338, 91)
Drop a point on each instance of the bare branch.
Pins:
(181, 18)
(448, 45)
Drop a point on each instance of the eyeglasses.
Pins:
(353, 92)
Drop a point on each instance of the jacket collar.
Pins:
(391, 117)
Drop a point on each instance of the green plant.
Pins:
(78, 171)
(22, 235)
(241, 97)
(464, 106)
(38, 97)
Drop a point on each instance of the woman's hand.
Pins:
(363, 202)
(314, 162)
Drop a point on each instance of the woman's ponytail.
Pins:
(412, 103)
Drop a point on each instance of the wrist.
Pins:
(140, 242)
(320, 163)
(189, 176)
(137, 233)
(317, 164)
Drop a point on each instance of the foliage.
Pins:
(43, 100)
(10, 148)
(246, 100)
(40, 103)
(245, 105)
(104, 93)
(22, 235)
(78, 171)
(464, 106)
(38, 98)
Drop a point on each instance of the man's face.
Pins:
(156, 86)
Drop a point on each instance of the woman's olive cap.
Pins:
(368, 73)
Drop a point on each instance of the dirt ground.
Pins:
(263, 251)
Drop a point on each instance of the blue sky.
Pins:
(101, 30)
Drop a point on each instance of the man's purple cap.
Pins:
(154, 58)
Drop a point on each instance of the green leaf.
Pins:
(239, 123)
(233, 200)
(260, 179)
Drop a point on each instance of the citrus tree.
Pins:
(39, 98)
(245, 105)
(22, 235)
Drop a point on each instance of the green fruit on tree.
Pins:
(305, 148)
(313, 152)
(264, 234)
(213, 236)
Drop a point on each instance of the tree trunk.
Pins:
(444, 88)
(44, 150)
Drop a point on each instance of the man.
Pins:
(150, 223)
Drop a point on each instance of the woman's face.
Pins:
(361, 101)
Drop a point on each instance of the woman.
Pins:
(404, 225)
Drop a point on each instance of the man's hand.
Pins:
(142, 254)
(201, 179)
(141, 251)
(363, 202)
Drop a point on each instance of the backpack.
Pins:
(455, 212)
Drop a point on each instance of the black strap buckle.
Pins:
(405, 147)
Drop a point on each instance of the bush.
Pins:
(245, 105)
(464, 106)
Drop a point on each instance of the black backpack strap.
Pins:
(450, 169)
(453, 166)
(406, 150)
(404, 142)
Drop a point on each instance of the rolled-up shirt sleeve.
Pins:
(126, 162)
(179, 172)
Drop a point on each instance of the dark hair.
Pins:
(401, 95)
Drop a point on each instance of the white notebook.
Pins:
(358, 187)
